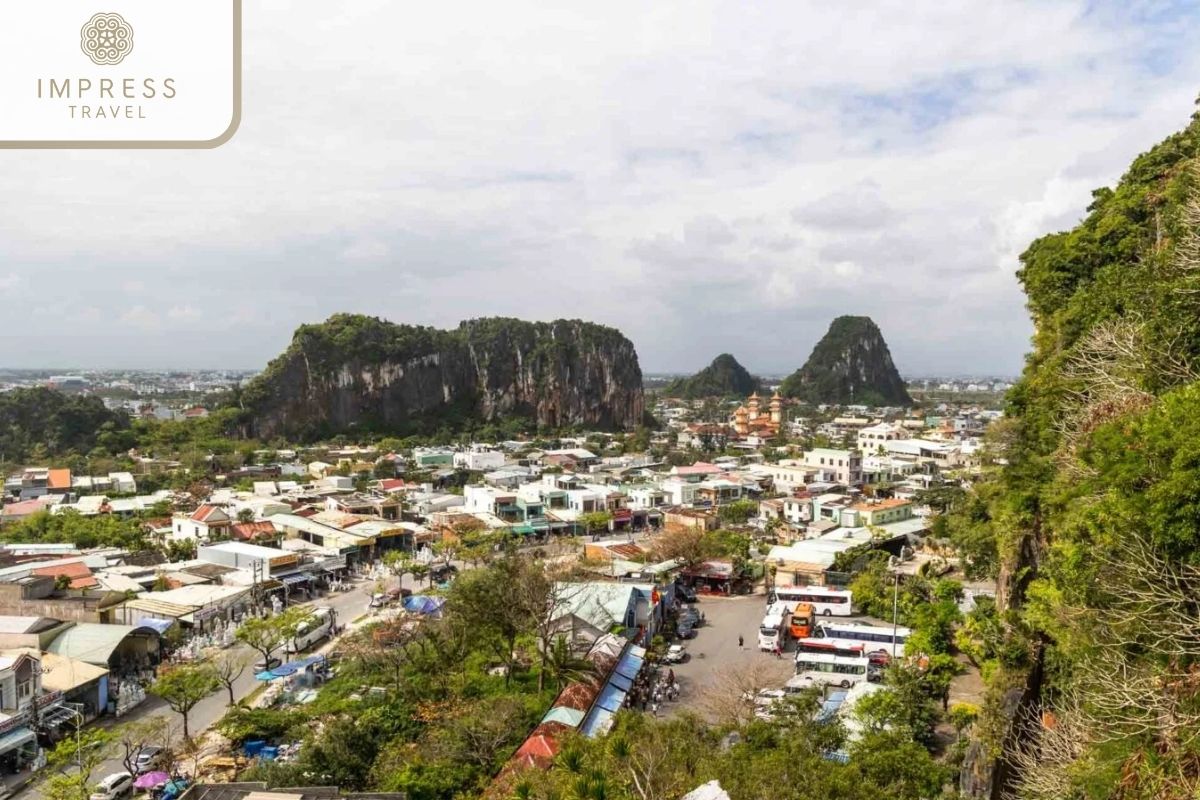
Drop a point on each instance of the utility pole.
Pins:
(895, 610)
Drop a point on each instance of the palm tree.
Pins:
(562, 663)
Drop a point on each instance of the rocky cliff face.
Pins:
(851, 364)
(724, 377)
(362, 373)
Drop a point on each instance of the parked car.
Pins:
(685, 632)
(676, 654)
(690, 616)
(149, 758)
(685, 593)
(264, 664)
(114, 787)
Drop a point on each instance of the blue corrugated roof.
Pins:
(611, 697)
(630, 664)
(621, 681)
(597, 723)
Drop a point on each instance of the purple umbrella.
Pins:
(151, 779)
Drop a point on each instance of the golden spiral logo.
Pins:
(106, 38)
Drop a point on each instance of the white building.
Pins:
(842, 466)
(872, 438)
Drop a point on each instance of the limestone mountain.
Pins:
(359, 373)
(724, 377)
(851, 364)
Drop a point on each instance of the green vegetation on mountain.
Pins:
(850, 365)
(724, 377)
(38, 422)
(1093, 527)
(361, 374)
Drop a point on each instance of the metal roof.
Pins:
(94, 643)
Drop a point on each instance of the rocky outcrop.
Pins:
(850, 365)
(357, 373)
(724, 377)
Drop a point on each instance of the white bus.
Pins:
(875, 639)
(313, 630)
(773, 630)
(826, 602)
(844, 671)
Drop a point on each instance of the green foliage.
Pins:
(851, 364)
(37, 423)
(724, 377)
(738, 512)
(102, 530)
(183, 686)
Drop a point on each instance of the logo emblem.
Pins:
(106, 38)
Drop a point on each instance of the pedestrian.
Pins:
(741, 641)
(670, 676)
(778, 651)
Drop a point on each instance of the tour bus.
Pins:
(774, 628)
(825, 602)
(874, 638)
(830, 670)
(839, 647)
(314, 629)
(802, 625)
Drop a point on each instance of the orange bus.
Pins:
(803, 622)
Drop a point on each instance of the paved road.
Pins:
(349, 606)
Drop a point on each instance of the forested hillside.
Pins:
(36, 422)
(1093, 527)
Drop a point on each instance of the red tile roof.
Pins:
(60, 479)
(81, 577)
(205, 511)
(248, 531)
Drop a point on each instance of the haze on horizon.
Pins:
(707, 177)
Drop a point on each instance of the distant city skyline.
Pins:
(707, 177)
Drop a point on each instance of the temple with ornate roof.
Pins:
(748, 419)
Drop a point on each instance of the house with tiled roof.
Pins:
(204, 524)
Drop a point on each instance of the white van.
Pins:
(115, 787)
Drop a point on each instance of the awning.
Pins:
(299, 577)
(11, 741)
(56, 716)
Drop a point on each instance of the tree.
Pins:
(738, 512)
(132, 737)
(73, 761)
(593, 521)
(182, 687)
(564, 665)
(228, 668)
(687, 544)
(268, 634)
(491, 600)
(245, 515)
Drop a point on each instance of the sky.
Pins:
(706, 176)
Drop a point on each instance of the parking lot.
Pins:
(714, 653)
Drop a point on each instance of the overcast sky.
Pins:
(706, 176)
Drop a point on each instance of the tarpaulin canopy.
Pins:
(423, 604)
(290, 668)
(151, 779)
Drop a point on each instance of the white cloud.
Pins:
(707, 176)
